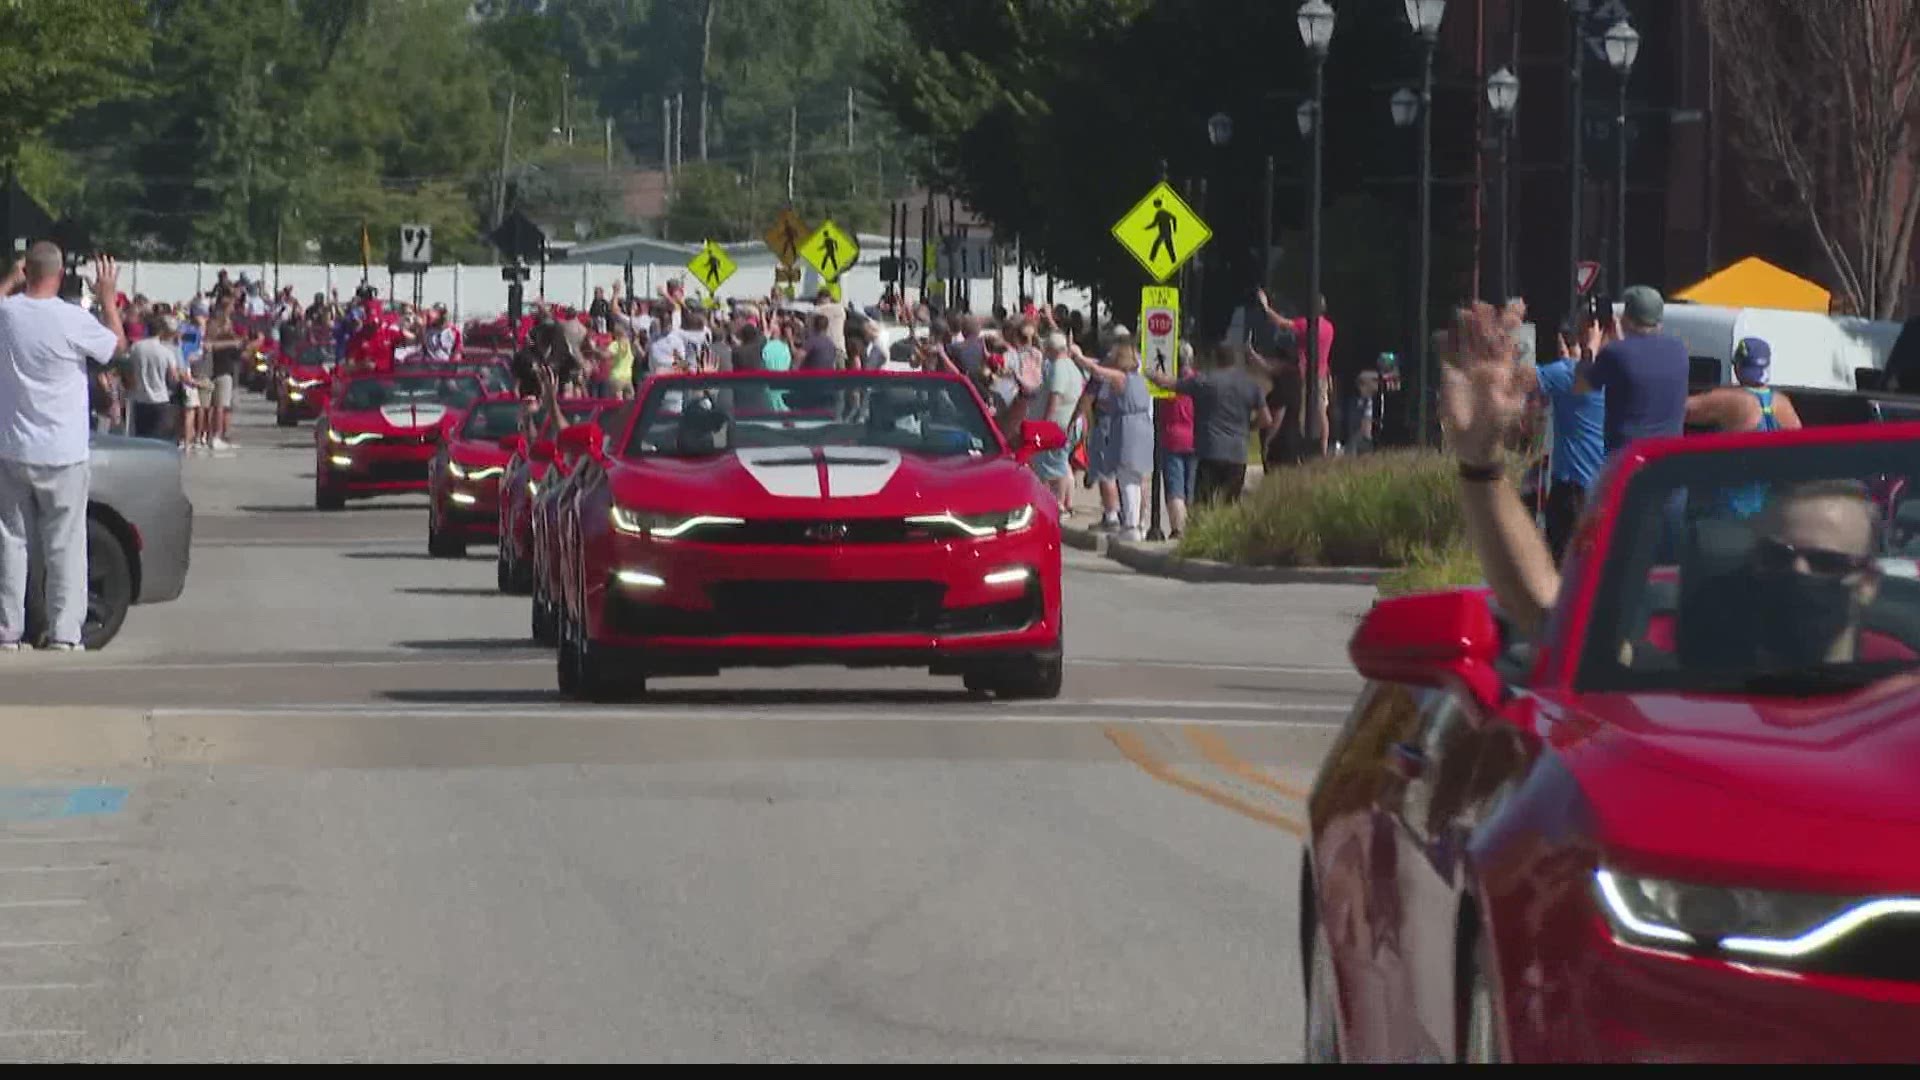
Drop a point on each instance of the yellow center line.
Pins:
(1215, 749)
(1136, 751)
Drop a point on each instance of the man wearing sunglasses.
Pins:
(1814, 573)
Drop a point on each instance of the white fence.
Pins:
(479, 291)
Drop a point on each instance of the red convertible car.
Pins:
(1679, 822)
(463, 479)
(528, 465)
(380, 431)
(750, 519)
(305, 385)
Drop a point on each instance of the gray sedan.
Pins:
(139, 532)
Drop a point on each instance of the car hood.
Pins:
(802, 481)
(410, 418)
(478, 454)
(1817, 786)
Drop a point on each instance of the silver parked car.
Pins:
(139, 533)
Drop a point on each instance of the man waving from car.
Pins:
(1797, 599)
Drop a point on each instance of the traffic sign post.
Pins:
(712, 266)
(1162, 232)
(416, 254)
(830, 251)
(1159, 353)
(1160, 334)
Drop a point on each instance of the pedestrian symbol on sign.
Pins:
(1163, 226)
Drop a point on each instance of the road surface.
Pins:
(328, 806)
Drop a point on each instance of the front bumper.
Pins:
(166, 550)
(375, 468)
(1637, 1004)
(471, 509)
(305, 404)
(948, 605)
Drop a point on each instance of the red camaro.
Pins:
(1679, 823)
(857, 519)
(463, 480)
(380, 430)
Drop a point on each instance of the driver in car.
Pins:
(1796, 598)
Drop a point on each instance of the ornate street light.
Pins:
(1406, 107)
(1316, 25)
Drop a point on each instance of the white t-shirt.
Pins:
(45, 404)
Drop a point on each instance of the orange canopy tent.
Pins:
(1754, 282)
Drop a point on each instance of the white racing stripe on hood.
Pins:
(425, 414)
(853, 472)
(788, 471)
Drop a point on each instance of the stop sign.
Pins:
(1160, 324)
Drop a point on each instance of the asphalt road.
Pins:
(328, 806)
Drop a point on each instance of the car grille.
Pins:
(384, 472)
(822, 608)
(803, 532)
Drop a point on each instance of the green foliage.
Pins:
(1391, 508)
(60, 56)
(1433, 569)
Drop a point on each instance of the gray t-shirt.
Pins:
(150, 361)
(1224, 401)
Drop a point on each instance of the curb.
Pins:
(1169, 565)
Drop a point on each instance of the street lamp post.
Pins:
(1316, 19)
(1503, 97)
(1623, 47)
(1576, 168)
(1423, 17)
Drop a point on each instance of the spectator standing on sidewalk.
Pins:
(1227, 404)
(1178, 462)
(48, 349)
(155, 369)
(1578, 443)
(1120, 446)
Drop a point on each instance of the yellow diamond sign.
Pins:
(1162, 231)
(712, 266)
(785, 237)
(830, 251)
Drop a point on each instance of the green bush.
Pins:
(1431, 570)
(1392, 508)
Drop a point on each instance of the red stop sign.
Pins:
(1159, 324)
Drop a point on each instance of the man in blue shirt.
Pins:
(1642, 371)
(1579, 416)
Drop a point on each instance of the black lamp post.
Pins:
(1503, 97)
(1423, 17)
(1316, 19)
(1623, 47)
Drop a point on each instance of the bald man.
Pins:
(46, 347)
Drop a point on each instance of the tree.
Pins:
(1826, 98)
(59, 58)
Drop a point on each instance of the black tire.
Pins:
(284, 419)
(109, 585)
(323, 499)
(1321, 1039)
(441, 546)
(502, 574)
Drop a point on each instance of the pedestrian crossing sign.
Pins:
(712, 266)
(1162, 231)
(830, 251)
(785, 236)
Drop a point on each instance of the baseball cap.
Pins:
(1753, 360)
(1643, 305)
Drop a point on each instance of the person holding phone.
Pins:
(1642, 371)
(1579, 442)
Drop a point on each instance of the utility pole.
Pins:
(566, 96)
(706, 63)
(853, 170)
(666, 135)
(793, 147)
(609, 145)
(679, 129)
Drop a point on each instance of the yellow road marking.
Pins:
(1215, 749)
(1136, 751)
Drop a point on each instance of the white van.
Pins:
(1810, 351)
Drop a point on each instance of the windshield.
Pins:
(696, 417)
(316, 357)
(457, 391)
(1781, 571)
(496, 377)
(493, 420)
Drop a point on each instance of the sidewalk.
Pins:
(1159, 557)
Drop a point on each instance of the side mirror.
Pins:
(514, 444)
(1431, 640)
(581, 438)
(1040, 436)
(542, 451)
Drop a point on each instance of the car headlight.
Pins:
(1750, 922)
(304, 384)
(462, 472)
(352, 440)
(978, 525)
(663, 525)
